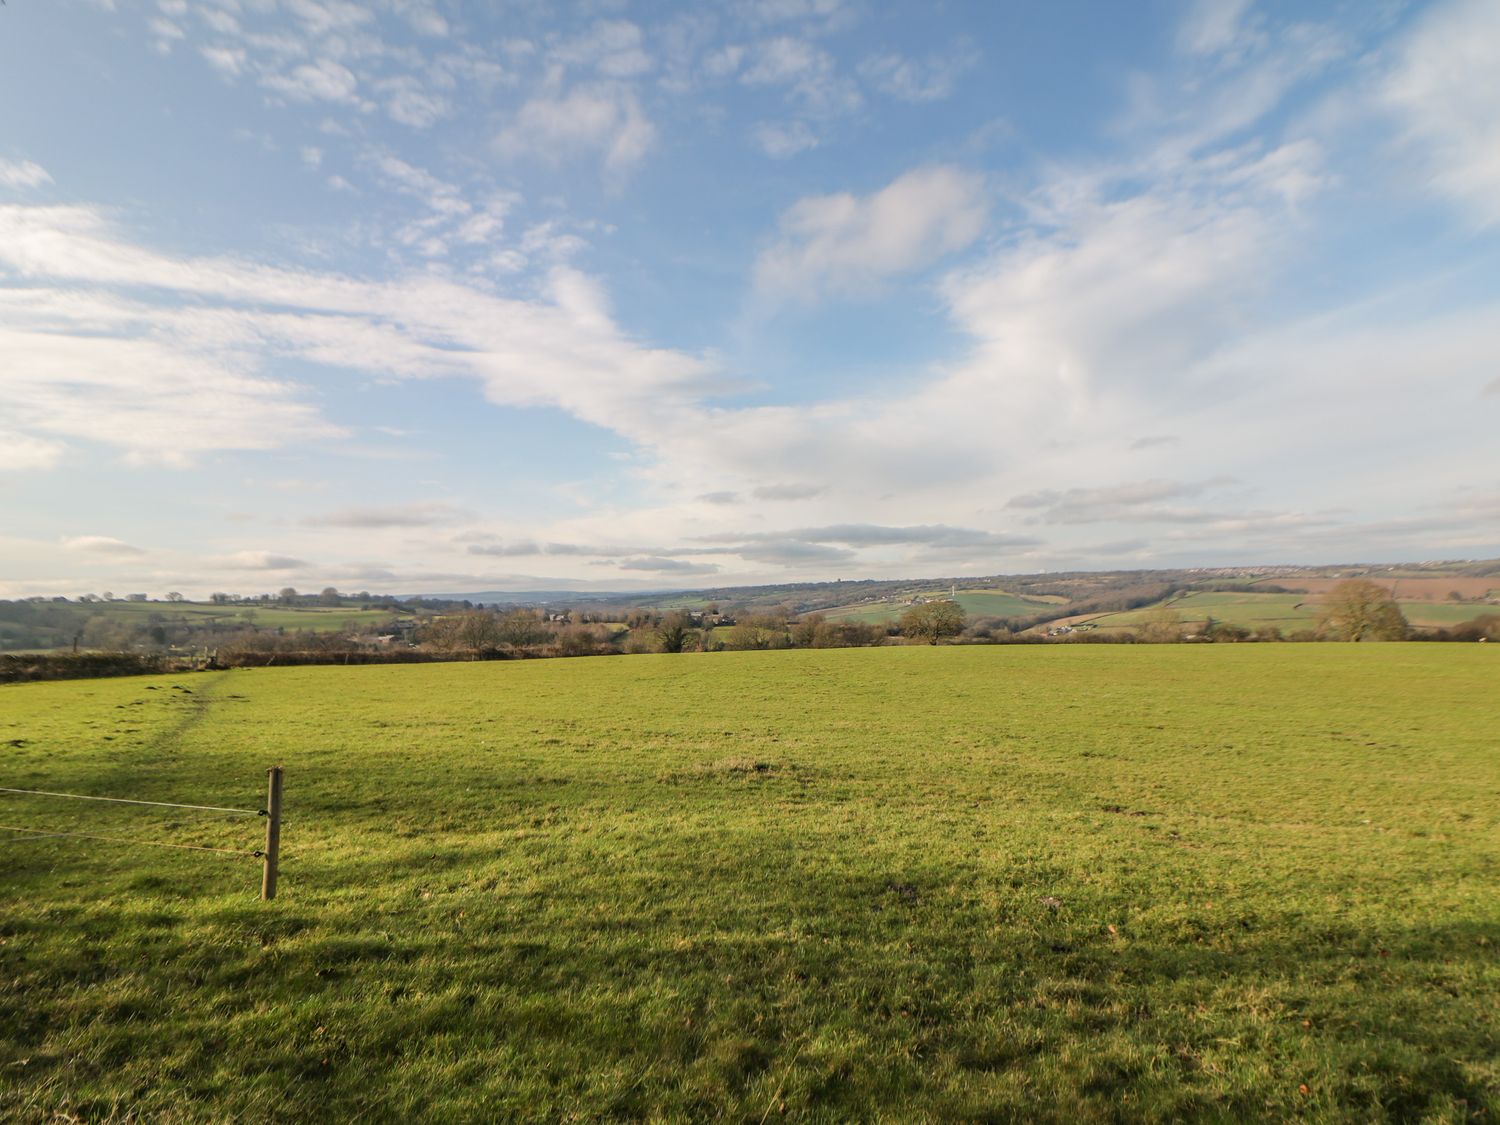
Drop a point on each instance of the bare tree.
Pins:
(1162, 625)
(932, 621)
(760, 631)
(1360, 610)
(522, 628)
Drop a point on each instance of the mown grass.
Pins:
(1112, 883)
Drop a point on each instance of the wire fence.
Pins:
(131, 801)
(269, 854)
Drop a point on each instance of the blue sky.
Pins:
(423, 295)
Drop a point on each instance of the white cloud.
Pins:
(320, 17)
(614, 48)
(605, 120)
(22, 174)
(441, 197)
(260, 560)
(181, 374)
(20, 452)
(928, 79)
(1213, 26)
(807, 73)
(425, 20)
(781, 139)
(229, 61)
(216, 19)
(166, 34)
(323, 80)
(1445, 90)
(408, 103)
(101, 545)
(847, 242)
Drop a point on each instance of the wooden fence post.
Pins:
(273, 833)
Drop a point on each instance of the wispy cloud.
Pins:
(21, 174)
(432, 514)
(1445, 90)
(788, 491)
(167, 381)
(658, 565)
(603, 121)
(930, 78)
(844, 243)
(261, 560)
(323, 80)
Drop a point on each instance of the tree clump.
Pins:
(672, 632)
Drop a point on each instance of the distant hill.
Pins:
(1032, 598)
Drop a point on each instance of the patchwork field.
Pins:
(1410, 589)
(974, 603)
(1060, 883)
(1288, 612)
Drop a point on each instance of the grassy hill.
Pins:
(1076, 882)
(1287, 612)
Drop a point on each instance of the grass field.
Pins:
(315, 617)
(990, 883)
(1288, 612)
(974, 603)
(1444, 613)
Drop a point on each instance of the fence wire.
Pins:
(40, 832)
(129, 801)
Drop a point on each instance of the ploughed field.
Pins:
(1050, 883)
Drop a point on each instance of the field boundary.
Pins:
(269, 854)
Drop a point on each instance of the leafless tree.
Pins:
(932, 621)
(1360, 610)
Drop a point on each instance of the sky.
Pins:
(446, 295)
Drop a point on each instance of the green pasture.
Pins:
(1061, 883)
(974, 603)
(318, 618)
(1446, 613)
(1288, 612)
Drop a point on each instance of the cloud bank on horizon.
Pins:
(419, 295)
